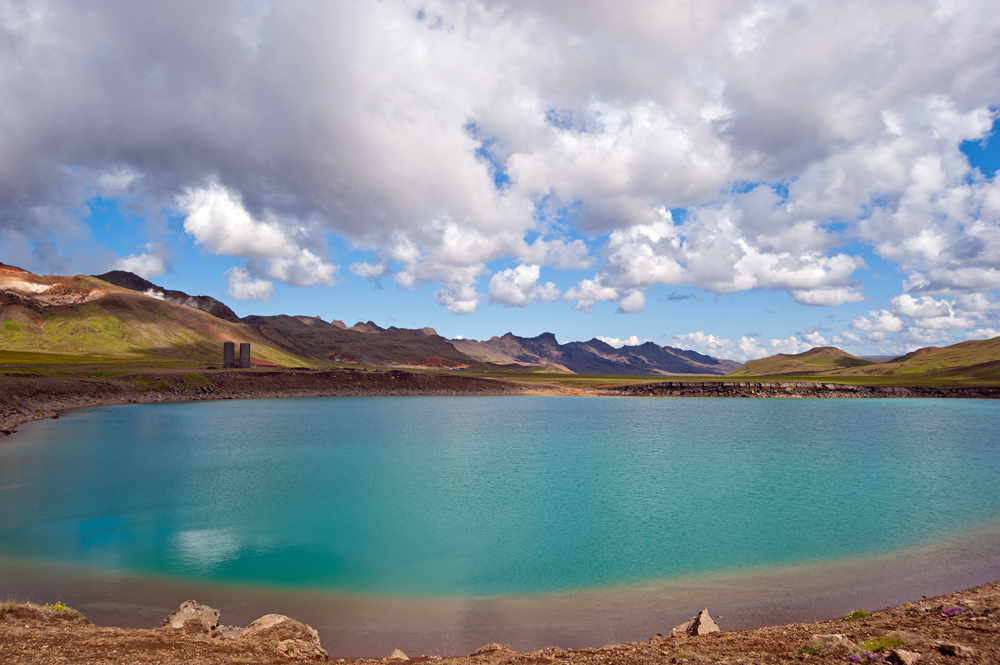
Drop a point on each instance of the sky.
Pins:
(737, 178)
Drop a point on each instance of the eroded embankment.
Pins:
(26, 398)
(791, 389)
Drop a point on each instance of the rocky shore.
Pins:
(28, 397)
(962, 627)
(780, 389)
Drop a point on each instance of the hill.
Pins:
(133, 282)
(362, 344)
(85, 316)
(593, 357)
(121, 315)
(819, 359)
(975, 361)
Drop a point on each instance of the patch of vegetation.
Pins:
(856, 614)
(196, 379)
(881, 643)
(812, 649)
(57, 607)
(12, 325)
(9, 606)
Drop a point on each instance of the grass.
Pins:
(855, 615)
(881, 643)
(57, 607)
(43, 358)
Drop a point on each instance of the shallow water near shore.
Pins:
(560, 517)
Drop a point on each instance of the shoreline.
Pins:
(28, 398)
(356, 626)
(936, 629)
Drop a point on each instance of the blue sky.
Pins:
(760, 177)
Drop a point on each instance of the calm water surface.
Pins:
(486, 497)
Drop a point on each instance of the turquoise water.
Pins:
(467, 496)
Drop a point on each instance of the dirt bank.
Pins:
(26, 398)
(954, 628)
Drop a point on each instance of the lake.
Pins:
(464, 516)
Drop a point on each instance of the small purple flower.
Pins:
(952, 610)
(854, 658)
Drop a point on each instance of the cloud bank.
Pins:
(439, 137)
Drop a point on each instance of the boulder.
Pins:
(697, 625)
(904, 657)
(835, 644)
(953, 649)
(195, 619)
(398, 655)
(291, 637)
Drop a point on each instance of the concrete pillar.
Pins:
(228, 355)
(244, 355)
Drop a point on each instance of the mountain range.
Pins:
(121, 315)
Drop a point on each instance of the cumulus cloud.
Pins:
(518, 287)
(930, 313)
(447, 135)
(244, 287)
(458, 298)
(790, 346)
(746, 349)
(619, 343)
(983, 333)
(881, 320)
(217, 220)
(368, 270)
(150, 264)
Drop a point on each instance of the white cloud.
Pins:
(244, 287)
(116, 180)
(458, 298)
(746, 349)
(847, 339)
(983, 333)
(148, 265)
(751, 349)
(518, 287)
(827, 297)
(594, 117)
(619, 343)
(368, 270)
(930, 313)
(632, 302)
(790, 346)
(217, 219)
(814, 338)
(881, 320)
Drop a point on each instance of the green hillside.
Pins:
(975, 360)
(128, 326)
(813, 361)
